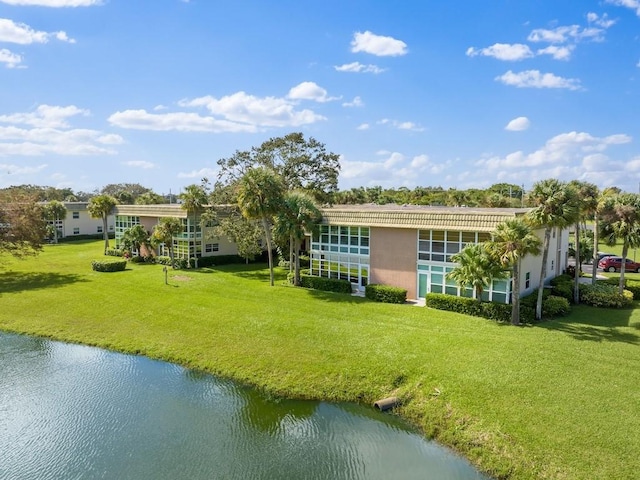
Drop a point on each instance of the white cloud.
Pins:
(400, 125)
(54, 3)
(22, 34)
(603, 21)
(363, 126)
(632, 4)
(503, 51)
(178, 121)
(139, 164)
(566, 33)
(309, 91)
(356, 102)
(357, 67)
(377, 45)
(558, 53)
(393, 170)
(45, 116)
(12, 169)
(535, 79)
(255, 111)
(518, 124)
(567, 150)
(52, 134)
(10, 59)
(202, 173)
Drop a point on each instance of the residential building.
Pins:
(79, 222)
(406, 246)
(411, 247)
(194, 241)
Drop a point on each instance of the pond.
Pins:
(77, 412)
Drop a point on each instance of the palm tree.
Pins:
(476, 268)
(193, 199)
(555, 206)
(101, 206)
(513, 240)
(587, 205)
(165, 230)
(260, 193)
(621, 221)
(134, 238)
(602, 199)
(299, 214)
(55, 210)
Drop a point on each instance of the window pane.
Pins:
(437, 235)
(453, 236)
(469, 237)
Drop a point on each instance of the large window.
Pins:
(340, 251)
(439, 245)
(435, 248)
(123, 223)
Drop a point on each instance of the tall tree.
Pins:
(135, 238)
(247, 234)
(260, 193)
(512, 240)
(55, 211)
(101, 206)
(621, 221)
(587, 202)
(301, 163)
(164, 231)
(298, 215)
(555, 206)
(194, 198)
(602, 200)
(476, 268)
(22, 224)
(150, 198)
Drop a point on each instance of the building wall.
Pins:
(393, 258)
(83, 224)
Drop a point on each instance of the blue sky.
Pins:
(429, 93)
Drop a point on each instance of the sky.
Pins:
(412, 93)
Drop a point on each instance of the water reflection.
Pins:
(70, 411)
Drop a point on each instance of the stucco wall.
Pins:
(393, 258)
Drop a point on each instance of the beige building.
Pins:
(194, 241)
(405, 246)
(411, 247)
(78, 222)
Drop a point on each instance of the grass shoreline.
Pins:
(529, 402)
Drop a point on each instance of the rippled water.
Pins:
(76, 412)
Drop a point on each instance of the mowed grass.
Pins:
(557, 400)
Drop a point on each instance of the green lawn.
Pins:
(557, 400)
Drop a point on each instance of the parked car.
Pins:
(613, 264)
(601, 255)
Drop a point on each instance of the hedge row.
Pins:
(632, 285)
(385, 293)
(552, 306)
(325, 284)
(108, 266)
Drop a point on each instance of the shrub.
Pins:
(632, 285)
(564, 278)
(385, 293)
(564, 290)
(108, 266)
(114, 252)
(325, 284)
(554, 306)
(605, 295)
(500, 312)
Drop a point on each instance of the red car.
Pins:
(613, 264)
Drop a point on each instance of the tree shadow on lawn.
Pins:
(597, 325)
(11, 282)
